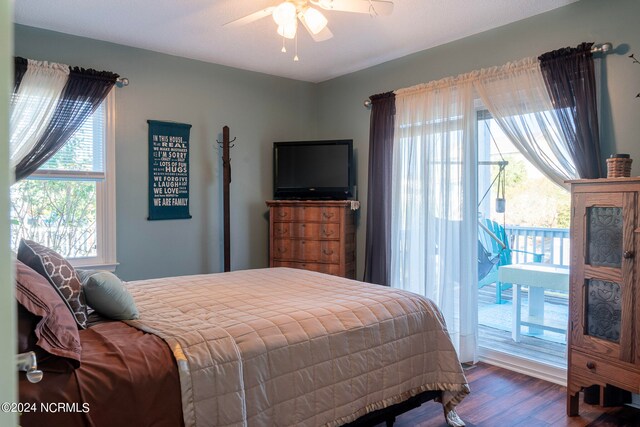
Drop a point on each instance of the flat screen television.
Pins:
(313, 169)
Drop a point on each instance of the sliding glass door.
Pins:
(523, 236)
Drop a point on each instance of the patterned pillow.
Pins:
(60, 274)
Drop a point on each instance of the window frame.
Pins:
(105, 258)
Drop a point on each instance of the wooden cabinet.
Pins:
(604, 301)
(313, 235)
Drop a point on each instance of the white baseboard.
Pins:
(543, 371)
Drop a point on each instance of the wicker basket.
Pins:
(618, 166)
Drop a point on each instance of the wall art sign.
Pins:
(168, 170)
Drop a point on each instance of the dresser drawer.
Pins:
(306, 213)
(312, 230)
(312, 266)
(306, 250)
(605, 372)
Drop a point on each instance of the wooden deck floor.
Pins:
(546, 351)
(504, 398)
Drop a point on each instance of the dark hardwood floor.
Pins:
(502, 398)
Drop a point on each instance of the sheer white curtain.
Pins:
(434, 229)
(33, 105)
(516, 96)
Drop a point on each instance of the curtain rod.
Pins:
(122, 82)
(604, 48)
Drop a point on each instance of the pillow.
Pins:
(43, 314)
(27, 323)
(83, 275)
(59, 273)
(106, 293)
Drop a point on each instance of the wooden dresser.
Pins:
(313, 235)
(604, 302)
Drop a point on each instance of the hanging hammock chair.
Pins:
(488, 260)
(488, 242)
(485, 261)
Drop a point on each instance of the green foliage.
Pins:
(515, 171)
(58, 214)
(534, 201)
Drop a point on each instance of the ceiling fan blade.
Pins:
(251, 17)
(373, 7)
(324, 34)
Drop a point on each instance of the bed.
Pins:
(259, 347)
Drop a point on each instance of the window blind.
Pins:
(82, 157)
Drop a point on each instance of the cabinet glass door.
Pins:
(604, 236)
(604, 273)
(604, 307)
(604, 249)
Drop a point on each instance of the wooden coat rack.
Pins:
(226, 144)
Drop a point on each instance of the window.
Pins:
(69, 203)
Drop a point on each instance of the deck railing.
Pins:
(552, 243)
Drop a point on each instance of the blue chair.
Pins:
(493, 252)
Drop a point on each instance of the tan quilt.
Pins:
(296, 348)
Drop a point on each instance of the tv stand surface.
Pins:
(316, 235)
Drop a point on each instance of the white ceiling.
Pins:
(194, 29)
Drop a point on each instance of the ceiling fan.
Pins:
(288, 13)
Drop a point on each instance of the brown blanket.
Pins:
(127, 378)
(292, 347)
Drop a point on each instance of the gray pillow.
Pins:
(83, 275)
(106, 293)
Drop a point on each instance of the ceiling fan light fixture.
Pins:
(284, 13)
(314, 20)
(288, 30)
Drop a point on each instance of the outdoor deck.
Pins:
(494, 326)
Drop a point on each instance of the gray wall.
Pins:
(259, 109)
(341, 113)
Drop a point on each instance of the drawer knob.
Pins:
(591, 366)
(282, 214)
(282, 250)
(327, 251)
(627, 254)
(327, 233)
(327, 214)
